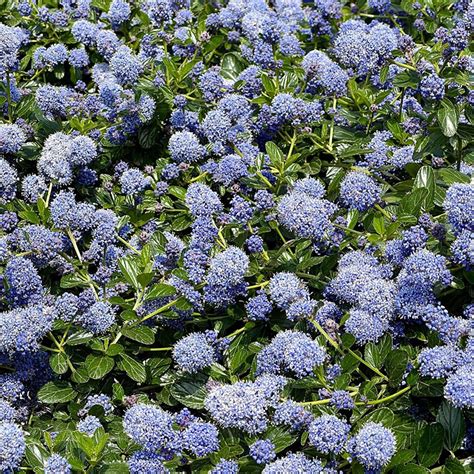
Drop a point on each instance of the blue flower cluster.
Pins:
(290, 351)
(245, 405)
(373, 446)
(365, 285)
(198, 351)
(359, 191)
(307, 215)
(364, 47)
(294, 462)
(56, 463)
(263, 451)
(12, 446)
(328, 434)
(150, 427)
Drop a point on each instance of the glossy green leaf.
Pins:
(161, 290)
(56, 392)
(396, 365)
(98, 366)
(425, 178)
(448, 118)
(58, 362)
(411, 204)
(190, 391)
(410, 469)
(231, 66)
(430, 444)
(376, 353)
(452, 420)
(281, 437)
(134, 369)
(142, 334)
(275, 154)
(402, 456)
(130, 270)
(454, 466)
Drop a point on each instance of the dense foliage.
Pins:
(236, 236)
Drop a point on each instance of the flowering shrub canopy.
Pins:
(236, 236)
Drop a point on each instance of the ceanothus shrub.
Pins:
(236, 236)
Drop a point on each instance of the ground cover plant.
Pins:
(236, 236)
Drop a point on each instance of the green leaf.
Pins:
(229, 447)
(347, 340)
(100, 438)
(450, 176)
(379, 224)
(396, 129)
(142, 334)
(58, 363)
(352, 151)
(469, 113)
(440, 195)
(84, 442)
(384, 74)
(98, 366)
(135, 370)
(239, 353)
(448, 118)
(402, 456)
(375, 354)
(268, 85)
(80, 375)
(333, 188)
(48, 126)
(185, 68)
(190, 390)
(78, 338)
(116, 467)
(231, 66)
(406, 79)
(430, 445)
(454, 466)
(36, 455)
(130, 270)
(158, 367)
(381, 415)
(145, 278)
(349, 363)
(275, 154)
(429, 388)
(313, 167)
(410, 469)
(411, 204)
(56, 392)
(404, 428)
(32, 217)
(181, 223)
(118, 391)
(425, 178)
(177, 191)
(114, 349)
(465, 131)
(182, 304)
(280, 437)
(396, 364)
(71, 280)
(149, 135)
(161, 290)
(452, 420)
